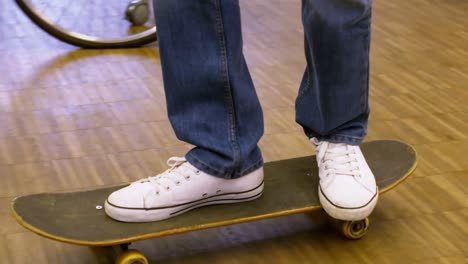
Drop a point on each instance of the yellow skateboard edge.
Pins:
(199, 227)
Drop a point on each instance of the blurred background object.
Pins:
(94, 24)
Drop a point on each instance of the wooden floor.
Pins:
(73, 119)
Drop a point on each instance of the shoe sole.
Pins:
(348, 213)
(157, 214)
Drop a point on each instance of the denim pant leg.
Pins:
(211, 100)
(332, 103)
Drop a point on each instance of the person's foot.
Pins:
(179, 189)
(347, 188)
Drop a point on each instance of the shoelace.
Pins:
(338, 161)
(175, 175)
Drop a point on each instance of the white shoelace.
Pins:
(339, 160)
(175, 175)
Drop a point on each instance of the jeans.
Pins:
(211, 99)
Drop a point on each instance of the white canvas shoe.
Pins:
(347, 188)
(179, 189)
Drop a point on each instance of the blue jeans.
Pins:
(211, 99)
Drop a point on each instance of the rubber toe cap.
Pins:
(347, 193)
(127, 197)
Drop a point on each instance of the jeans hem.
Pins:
(337, 138)
(222, 173)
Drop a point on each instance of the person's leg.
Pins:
(211, 104)
(332, 104)
(211, 99)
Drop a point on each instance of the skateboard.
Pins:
(291, 187)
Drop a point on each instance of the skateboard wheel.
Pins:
(132, 257)
(355, 229)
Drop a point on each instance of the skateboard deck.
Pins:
(291, 186)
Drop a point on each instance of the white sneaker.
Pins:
(347, 188)
(178, 190)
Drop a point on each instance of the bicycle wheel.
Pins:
(94, 24)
